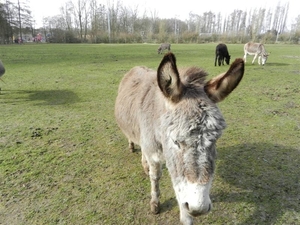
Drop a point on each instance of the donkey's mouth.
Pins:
(196, 213)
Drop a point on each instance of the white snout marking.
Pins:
(194, 198)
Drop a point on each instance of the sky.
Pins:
(170, 9)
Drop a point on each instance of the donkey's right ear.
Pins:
(168, 78)
(221, 86)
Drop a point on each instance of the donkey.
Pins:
(173, 116)
(162, 47)
(2, 70)
(221, 54)
(256, 49)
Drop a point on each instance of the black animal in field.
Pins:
(222, 54)
(2, 69)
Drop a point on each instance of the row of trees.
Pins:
(89, 21)
(15, 19)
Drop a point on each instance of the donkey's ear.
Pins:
(221, 86)
(168, 78)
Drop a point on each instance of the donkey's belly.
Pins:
(131, 107)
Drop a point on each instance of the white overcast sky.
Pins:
(167, 8)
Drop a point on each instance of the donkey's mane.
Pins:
(193, 76)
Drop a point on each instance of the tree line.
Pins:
(90, 21)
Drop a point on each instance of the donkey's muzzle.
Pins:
(197, 211)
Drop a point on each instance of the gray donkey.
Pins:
(172, 114)
(162, 47)
(256, 49)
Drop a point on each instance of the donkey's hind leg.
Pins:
(254, 59)
(131, 145)
(145, 164)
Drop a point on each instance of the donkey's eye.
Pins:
(176, 143)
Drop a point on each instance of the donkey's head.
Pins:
(264, 58)
(190, 128)
(227, 60)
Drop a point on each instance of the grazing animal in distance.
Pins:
(164, 46)
(221, 54)
(172, 115)
(2, 69)
(256, 49)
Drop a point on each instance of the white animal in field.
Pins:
(172, 114)
(256, 49)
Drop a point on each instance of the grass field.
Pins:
(63, 160)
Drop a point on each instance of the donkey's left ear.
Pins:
(221, 86)
(168, 78)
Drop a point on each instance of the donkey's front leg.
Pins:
(245, 57)
(131, 145)
(259, 59)
(155, 169)
(254, 58)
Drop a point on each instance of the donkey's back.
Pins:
(164, 46)
(137, 99)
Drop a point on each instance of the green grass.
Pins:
(63, 160)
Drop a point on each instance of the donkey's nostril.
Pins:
(209, 208)
(186, 205)
(197, 211)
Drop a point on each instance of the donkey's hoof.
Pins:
(131, 146)
(154, 207)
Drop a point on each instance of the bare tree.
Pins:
(279, 19)
(79, 9)
(86, 20)
(5, 26)
(114, 22)
(66, 12)
(24, 17)
(295, 31)
(94, 19)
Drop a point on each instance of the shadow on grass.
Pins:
(268, 176)
(277, 64)
(168, 205)
(54, 97)
(257, 66)
(44, 97)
